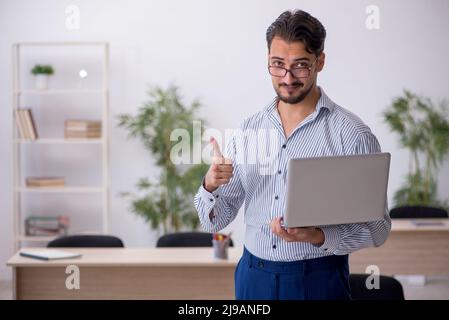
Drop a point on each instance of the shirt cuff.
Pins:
(209, 196)
(209, 199)
(332, 238)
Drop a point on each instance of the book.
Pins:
(47, 225)
(20, 124)
(49, 254)
(82, 129)
(39, 232)
(33, 124)
(79, 129)
(427, 223)
(45, 182)
(81, 134)
(82, 124)
(53, 223)
(76, 131)
(29, 124)
(27, 134)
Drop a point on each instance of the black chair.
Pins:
(416, 212)
(86, 241)
(187, 239)
(389, 288)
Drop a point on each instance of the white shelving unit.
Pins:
(19, 190)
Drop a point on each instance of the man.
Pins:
(292, 263)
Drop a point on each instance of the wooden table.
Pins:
(409, 250)
(193, 273)
(126, 273)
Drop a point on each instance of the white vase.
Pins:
(41, 81)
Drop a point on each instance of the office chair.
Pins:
(187, 239)
(86, 241)
(389, 288)
(414, 212)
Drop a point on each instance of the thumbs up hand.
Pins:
(221, 170)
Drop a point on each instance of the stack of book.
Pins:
(44, 182)
(25, 123)
(47, 225)
(82, 129)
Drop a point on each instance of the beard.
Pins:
(296, 97)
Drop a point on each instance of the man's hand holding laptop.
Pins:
(312, 235)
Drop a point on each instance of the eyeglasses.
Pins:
(300, 72)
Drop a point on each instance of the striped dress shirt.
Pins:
(260, 152)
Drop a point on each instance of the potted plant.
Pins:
(167, 202)
(423, 129)
(41, 74)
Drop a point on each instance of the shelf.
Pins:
(78, 92)
(62, 190)
(59, 91)
(60, 141)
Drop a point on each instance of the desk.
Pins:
(192, 273)
(129, 273)
(410, 249)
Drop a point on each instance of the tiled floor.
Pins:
(434, 289)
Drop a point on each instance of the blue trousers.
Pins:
(325, 278)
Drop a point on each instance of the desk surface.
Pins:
(420, 225)
(139, 257)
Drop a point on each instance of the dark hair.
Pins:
(298, 25)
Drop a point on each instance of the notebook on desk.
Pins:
(50, 254)
(427, 223)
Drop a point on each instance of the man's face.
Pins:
(294, 56)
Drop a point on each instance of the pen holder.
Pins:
(220, 248)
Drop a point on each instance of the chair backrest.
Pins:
(86, 241)
(389, 288)
(413, 212)
(187, 239)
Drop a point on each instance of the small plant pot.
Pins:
(41, 81)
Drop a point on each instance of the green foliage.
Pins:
(423, 128)
(166, 204)
(42, 69)
(414, 192)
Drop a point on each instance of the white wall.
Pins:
(216, 50)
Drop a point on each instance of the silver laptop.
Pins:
(336, 190)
